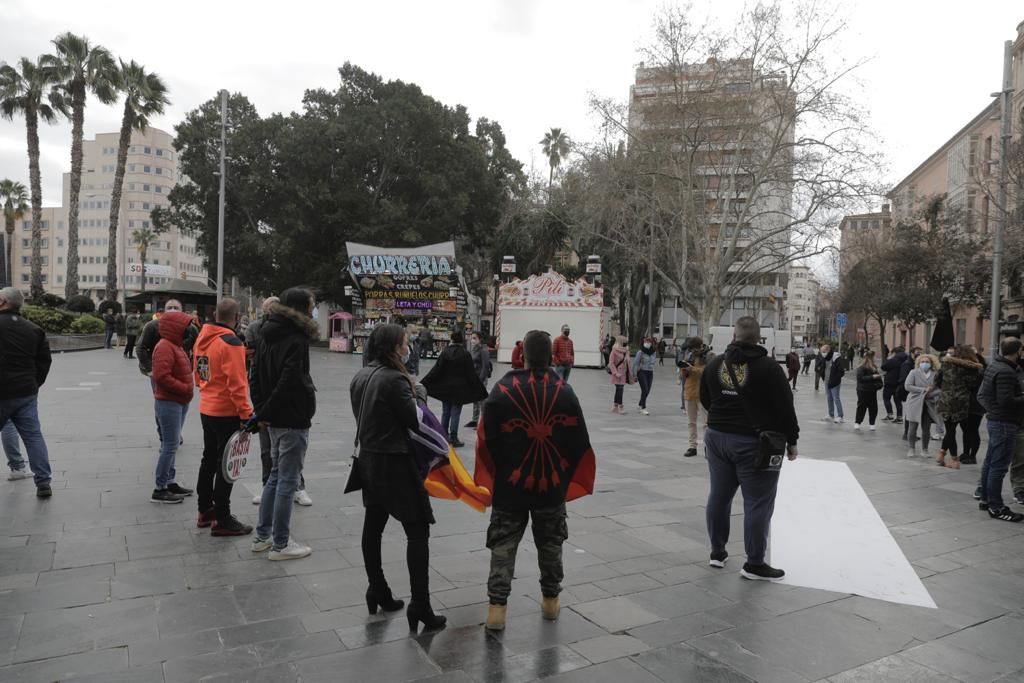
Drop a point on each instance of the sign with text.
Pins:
(151, 269)
(550, 289)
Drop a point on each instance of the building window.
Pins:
(159, 189)
(145, 187)
(148, 150)
(25, 244)
(146, 169)
(159, 152)
(24, 277)
(159, 171)
(984, 214)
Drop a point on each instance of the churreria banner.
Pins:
(411, 278)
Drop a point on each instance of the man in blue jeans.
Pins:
(15, 460)
(24, 365)
(1003, 399)
(759, 396)
(284, 398)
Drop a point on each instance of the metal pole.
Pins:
(220, 202)
(997, 251)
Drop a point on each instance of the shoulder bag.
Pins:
(355, 479)
(771, 444)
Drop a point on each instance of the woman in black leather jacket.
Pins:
(384, 403)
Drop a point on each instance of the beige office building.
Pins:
(151, 172)
(802, 304)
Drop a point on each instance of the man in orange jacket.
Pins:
(219, 358)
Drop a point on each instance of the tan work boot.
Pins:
(940, 459)
(953, 464)
(551, 607)
(496, 618)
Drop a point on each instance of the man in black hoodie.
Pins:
(731, 442)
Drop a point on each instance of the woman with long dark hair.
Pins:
(958, 380)
(384, 403)
(869, 381)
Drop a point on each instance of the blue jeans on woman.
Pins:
(450, 414)
(646, 380)
(170, 418)
(287, 456)
(24, 413)
(1002, 438)
(835, 404)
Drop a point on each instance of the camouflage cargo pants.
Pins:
(503, 535)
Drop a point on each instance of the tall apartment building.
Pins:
(859, 234)
(151, 172)
(802, 304)
(721, 118)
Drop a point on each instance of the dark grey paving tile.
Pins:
(173, 647)
(403, 660)
(162, 581)
(675, 601)
(531, 632)
(106, 662)
(95, 627)
(616, 614)
(96, 572)
(197, 611)
(894, 669)
(273, 629)
(31, 558)
(529, 666)
(273, 599)
(684, 663)
(334, 619)
(286, 672)
(677, 630)
(232, 573)
(197, 668)
(605, 648)
(960, 664)
(615, 671)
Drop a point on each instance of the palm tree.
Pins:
(143, 238)
(556, 147)
(80, 68)
(145, 95)
(14, 200)
(28, 91)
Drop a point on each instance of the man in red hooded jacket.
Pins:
(172, 390)
(219, 357)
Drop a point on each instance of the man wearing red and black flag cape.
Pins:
(533, 452)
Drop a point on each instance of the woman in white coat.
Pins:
(921, 407)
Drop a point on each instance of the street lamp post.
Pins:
(220, 201)
(1004, 148)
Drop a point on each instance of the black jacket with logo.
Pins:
(282, 389)
(763, 383)
(24, 356)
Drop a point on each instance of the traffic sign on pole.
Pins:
(841, 320)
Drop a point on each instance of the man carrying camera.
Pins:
(751, 421)
(691, 360)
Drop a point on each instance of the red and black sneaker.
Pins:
(230, 527)
(206, 519)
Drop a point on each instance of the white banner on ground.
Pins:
(826, 534)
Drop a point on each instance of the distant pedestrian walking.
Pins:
(132, 327)
(834, 367)
(643, 368)
(793, 366)
(482, 364)
(809, 353)
(620, 371)
(563, 355)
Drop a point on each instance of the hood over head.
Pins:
(281, 319)
(173, 325)
(740, 352)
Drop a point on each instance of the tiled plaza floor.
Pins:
(98, 584)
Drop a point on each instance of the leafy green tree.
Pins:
(29, 91)
(80, 68)
(14, 200)
(145, 96)
(143, 238)
(556, 146)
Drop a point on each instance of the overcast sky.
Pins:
(527, 64)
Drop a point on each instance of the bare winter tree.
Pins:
(742, 153)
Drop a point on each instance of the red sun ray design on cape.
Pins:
(543, 465)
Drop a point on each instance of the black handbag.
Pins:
(771, 444)
(355, 479)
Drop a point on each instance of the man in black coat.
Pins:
(891, 367)
(24, 366)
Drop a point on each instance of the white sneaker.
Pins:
(15, 475)
(302, 498)
(856, 426)
(839, 420)
(261, 544)
(872, 427)
(257, 499)
(292, 551)
(644, 411)
(911, 453)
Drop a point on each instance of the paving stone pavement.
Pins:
(99, 584)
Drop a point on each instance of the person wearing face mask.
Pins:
(482, 364)
(1003, 398)
(383, 398)
(921, 409)
(562, 354)
(643, 370)
(908, 365)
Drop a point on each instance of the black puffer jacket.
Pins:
(282, 389)
(892, 368)
(1000, 393)
(453, 379)
(868, 380)
(764, 386)
(24, 356)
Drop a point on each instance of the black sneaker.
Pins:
(968, 460)
(456, 443)
(180, 490)
(690, 452)
(471, 423)
(761, 572)
(898, 420)
(977, 493)
(43, 491)
(165, 496)
(1006, 515)
(983, 505)
(230, 527)
(718, 559)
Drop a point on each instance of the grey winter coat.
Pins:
(916, 385)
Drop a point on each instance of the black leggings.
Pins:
(867, 402)
(972, 435)
(949, 440)
(417, 553)
(618, 395)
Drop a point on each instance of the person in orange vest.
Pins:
(219, 366)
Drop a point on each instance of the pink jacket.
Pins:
(618, 362)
